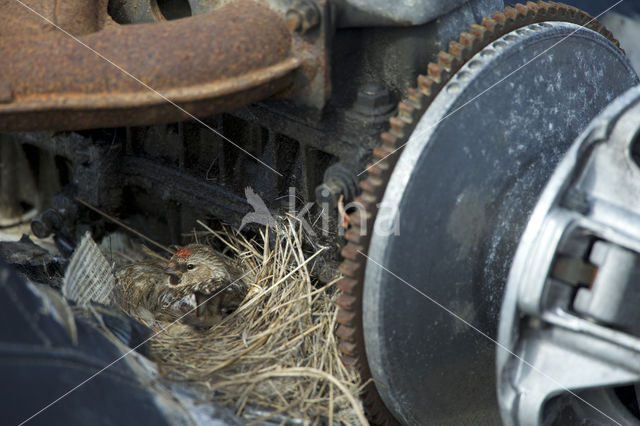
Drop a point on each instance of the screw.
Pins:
(302, 16)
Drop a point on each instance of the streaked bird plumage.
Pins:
(197, 286)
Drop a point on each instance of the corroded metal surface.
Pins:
(78, 17)
(206, 64)
(350, 331)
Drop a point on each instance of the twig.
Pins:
(122, 224)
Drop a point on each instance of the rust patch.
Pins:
(206, 64)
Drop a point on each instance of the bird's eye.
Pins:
(191, 266)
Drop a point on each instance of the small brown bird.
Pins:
(197, 287)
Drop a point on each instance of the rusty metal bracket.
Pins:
(97, 73)
(313, 25)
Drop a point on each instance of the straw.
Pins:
(278, 349)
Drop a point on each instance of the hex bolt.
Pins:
(302, 16)
(373, 99)
(373, 104)
(45, 224)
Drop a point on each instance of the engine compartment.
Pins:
(238, 112)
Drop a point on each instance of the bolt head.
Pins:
(373, 99)
(40, 229)
(302, 16)
(293, 20)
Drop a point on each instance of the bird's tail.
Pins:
(89, 277)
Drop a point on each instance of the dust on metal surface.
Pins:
(350, 331)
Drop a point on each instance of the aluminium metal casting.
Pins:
(569, 325)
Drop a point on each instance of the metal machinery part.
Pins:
(483, 134)
(251, 59)
(404, 12)
(337, 89)
(569, 321)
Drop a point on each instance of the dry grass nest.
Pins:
(278, 349)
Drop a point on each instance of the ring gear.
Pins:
(350, 332)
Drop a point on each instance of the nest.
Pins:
(278, 349)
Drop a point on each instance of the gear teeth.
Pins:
(596, 26)
(534, 8)
(445, 59)
(405, 112)
(397, 126)
(435, 72)
(489, 23)
(351, 252)
(382, 152)
(500, 18)
(348, 302)
(456, 49)
(511, 13)
(349, 268)
(345, 317)
(414, 98)
(368, 202)
(553, 9)
(347, 285)
(556, 8)
(371, 185)
(366, 199)
(356, 219)
(345, 332)
(349, 361)
(390, 139)
(523, 11)
(378, 169)
(477, 31)
(467, 39)
(347, 348)
(426, 85)
(349, 330)
(353, 235)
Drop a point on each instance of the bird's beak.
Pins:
(174, 275)
(171, 271)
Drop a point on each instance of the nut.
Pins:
(373, 99)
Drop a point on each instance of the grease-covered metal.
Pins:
(112, 75)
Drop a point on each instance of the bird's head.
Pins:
(194, 264)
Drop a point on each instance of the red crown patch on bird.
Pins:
(183, 253)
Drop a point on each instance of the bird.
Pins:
(198, 287)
